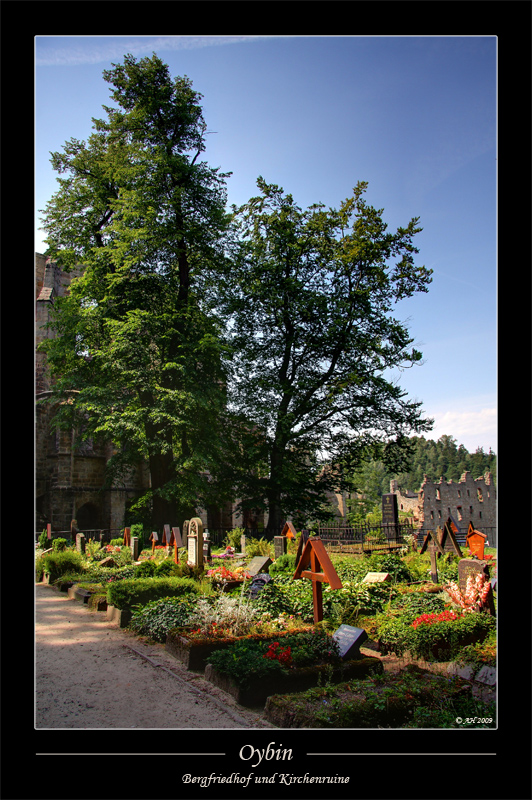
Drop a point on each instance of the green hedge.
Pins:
(139, 591)
(58, 563)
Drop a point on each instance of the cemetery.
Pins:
(308, 637)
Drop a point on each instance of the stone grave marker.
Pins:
(192, 550)
(349, 640)
(243, 545)
(206, 546)
(390, 515)
(135, 548)
(280, 544)
(471, 566)
(80, 542)
(258, 564)
(377, 577)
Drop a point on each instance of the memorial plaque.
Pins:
(349, 640)
(192, 548)
(258, 564)
(377, 577)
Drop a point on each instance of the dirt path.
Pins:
(89, 673)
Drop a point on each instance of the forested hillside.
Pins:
(436, 459)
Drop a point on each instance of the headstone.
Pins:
(243, 545)
(280, 544)
(73, 529)
(377, 577)
(390, 515)
(258, 583)
(258, 564)
(349, 640)
(135, 548)
(186, 524)
(471, 566)
(80, 542)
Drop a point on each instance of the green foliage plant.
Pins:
(156, 618)
(59, 544)
(232, 539)
(58, 563)
(258, 547)
(43, 540)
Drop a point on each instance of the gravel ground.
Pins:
(89, 673)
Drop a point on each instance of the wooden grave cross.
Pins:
(434, 536)
(289, 531)
(321, 571)
(167, 536)
(153, 538)
(127, 537)
(448, 532)
(177, 542)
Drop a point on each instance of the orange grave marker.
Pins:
(475, 540)
(321, 571)
(127, 537)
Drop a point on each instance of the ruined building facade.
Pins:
(466, 500)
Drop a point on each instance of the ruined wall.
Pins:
(467, 500)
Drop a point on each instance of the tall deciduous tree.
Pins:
(311, 294)
(138, 352)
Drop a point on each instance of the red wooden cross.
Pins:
(321, 571)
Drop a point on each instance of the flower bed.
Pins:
(252, 670)
(195, 651)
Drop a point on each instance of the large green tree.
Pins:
(138, 351)
(311, 294)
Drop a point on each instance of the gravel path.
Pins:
(89, 673)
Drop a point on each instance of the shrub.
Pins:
(232, 539)
(138, 591)
(145, 569)
(158, 617)
(285, 563)
(117, 542)
(39, 569)
(59, 545)
(167, 567)
(59, 563)
(258, 547)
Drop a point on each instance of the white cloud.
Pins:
(94, 50)
(472, 427)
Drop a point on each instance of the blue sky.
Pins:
(415, 117)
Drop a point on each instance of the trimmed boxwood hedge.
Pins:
(139, 591)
